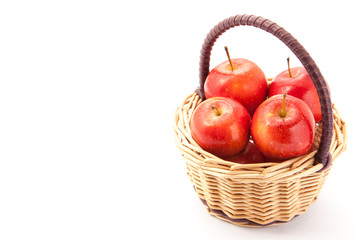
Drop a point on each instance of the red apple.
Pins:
(299, 85)
(250, 154)
(283, 127)
(221, 126)
(246, 83)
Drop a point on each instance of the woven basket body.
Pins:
(254, 194)
(269, 193)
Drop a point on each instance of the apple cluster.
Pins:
(246, 120)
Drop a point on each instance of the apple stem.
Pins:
(228, 55)
(283, 113)
(288, 62)
(217, 113)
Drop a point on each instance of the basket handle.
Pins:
(323, 156)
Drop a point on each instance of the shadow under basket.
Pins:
(260, 194)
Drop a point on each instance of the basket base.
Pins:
(239, 222)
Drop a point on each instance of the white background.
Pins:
(88, 91)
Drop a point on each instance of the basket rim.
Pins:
(257, 172)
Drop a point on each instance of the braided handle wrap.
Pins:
(323, 156)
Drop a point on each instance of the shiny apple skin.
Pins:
(246, 83)
(222, 135)
(250, 154)
(299, 85)
(283, 138)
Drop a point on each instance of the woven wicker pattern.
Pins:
(254, 194)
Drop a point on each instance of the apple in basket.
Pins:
(239, 79)
(221, 126)
(283, 127)
(250, 154)
(297, 82)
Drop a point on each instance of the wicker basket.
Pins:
(260, 194)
